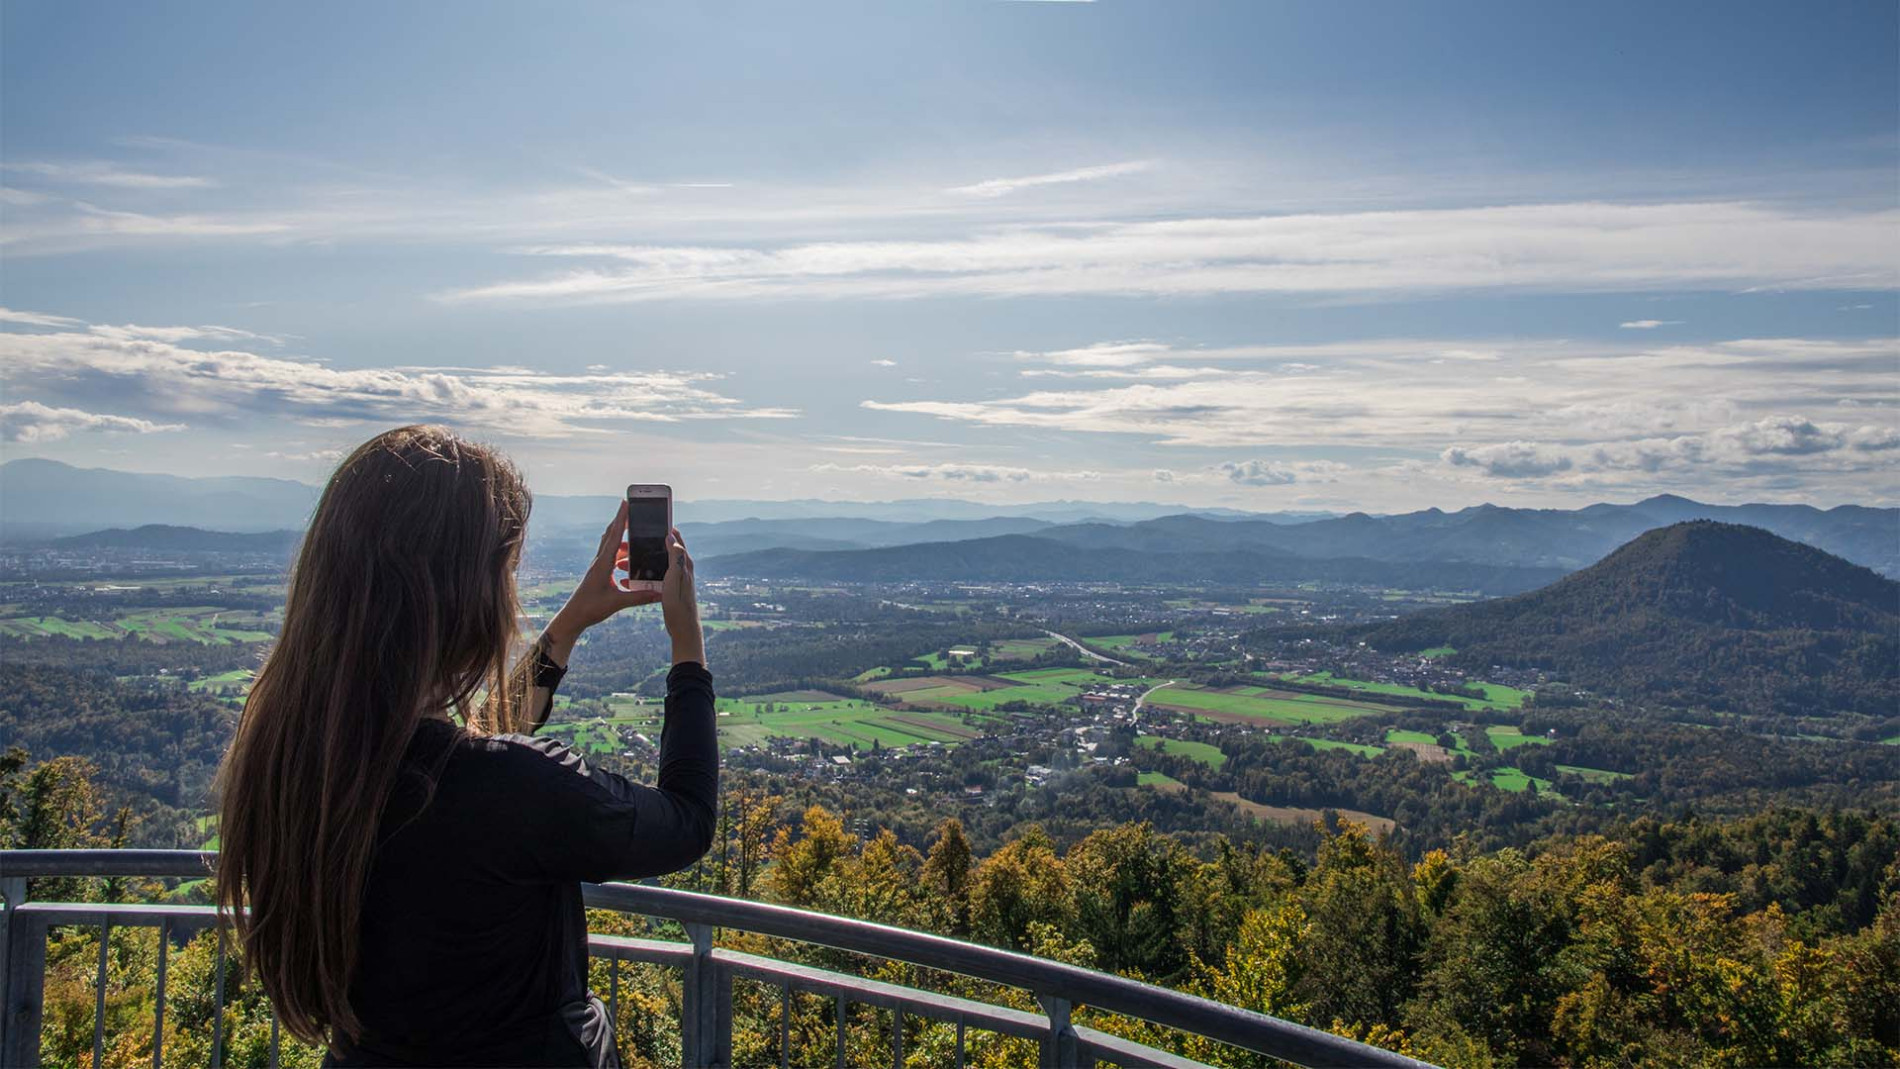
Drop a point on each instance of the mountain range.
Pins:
(1697, 614)
(1522, 547)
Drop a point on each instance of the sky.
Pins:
(1259, 256)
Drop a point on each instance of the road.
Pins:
(1084, 650)
(1135, 716)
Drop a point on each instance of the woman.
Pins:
(401, 858)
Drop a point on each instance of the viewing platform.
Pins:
(707, 974)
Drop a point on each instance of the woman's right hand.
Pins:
(679, 603)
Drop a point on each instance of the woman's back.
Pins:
(473, 933)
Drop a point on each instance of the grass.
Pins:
(1436, 652)
(1206, 753)
(1516, 780)
(1892, 741)
(1504, 738)
(1159, 781)
(1359, 748)
(1400, 735)
(830, 719)
(1120, 643)
(1257, 703)
(1496, 696)
(196, 625)
(1594, 775)
(1038, 686)
(235, 679)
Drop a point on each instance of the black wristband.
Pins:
(547, 674)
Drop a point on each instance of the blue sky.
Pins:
(1376, 256)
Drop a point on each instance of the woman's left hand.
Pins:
(598, 596)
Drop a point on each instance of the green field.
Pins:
(1260, 703)
(1514, 779)
(1496, 696)
(199, 625)
(1399, 735)
(1594, 775)
(1205, 753)
(1037, 686)
(1436, 652)
(1359, 748)
(794, 714)
(234, 683)
(1505, 738)
(1120, 643)
(1161, 780)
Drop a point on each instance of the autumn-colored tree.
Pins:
(947, 874)
(1023, 881)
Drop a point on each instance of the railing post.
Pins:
(705, 1006)
(13, 889)
(26, 981)
(1060, 1049)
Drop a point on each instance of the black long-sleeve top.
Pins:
(473, 938)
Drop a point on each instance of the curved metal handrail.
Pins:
(1218, 1021)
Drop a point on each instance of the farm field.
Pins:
(1496, 696)
(1362, 749)
(1037, 686)
(1292, 814)
(230, 686)
(1509, 778)
(806, 714)
(1594, 775)
(1205, 753)
(1245, 704)
(1002, 653)
(209, 626)
(1160, 781)
(1504, 737)
(1120, 643)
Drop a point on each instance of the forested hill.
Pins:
(1034, 558)
(183, 539)
(1696, 614)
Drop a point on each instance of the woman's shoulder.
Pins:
(492, 755)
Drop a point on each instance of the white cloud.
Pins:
(131, 331)
(147, 368)
(30, 421)
(1002, 187)
(1649, 324)
(883, 363)
(1584, 247)
(106, 174)
(1778, 443)
(1277, 473)
(1508, 460)
(1409, 396)
(35, 319)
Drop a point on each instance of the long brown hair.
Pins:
(401, 604)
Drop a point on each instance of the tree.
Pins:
(947, 875)
(1022, 881)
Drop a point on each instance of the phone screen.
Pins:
(646, 538)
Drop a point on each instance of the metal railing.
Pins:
(707, 974)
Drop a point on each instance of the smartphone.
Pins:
(649, 520)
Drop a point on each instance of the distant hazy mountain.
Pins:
(1697, 613)
(46, 498)
(43, 498)
(183, 540)
(1533, 538)
(1034, 558)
